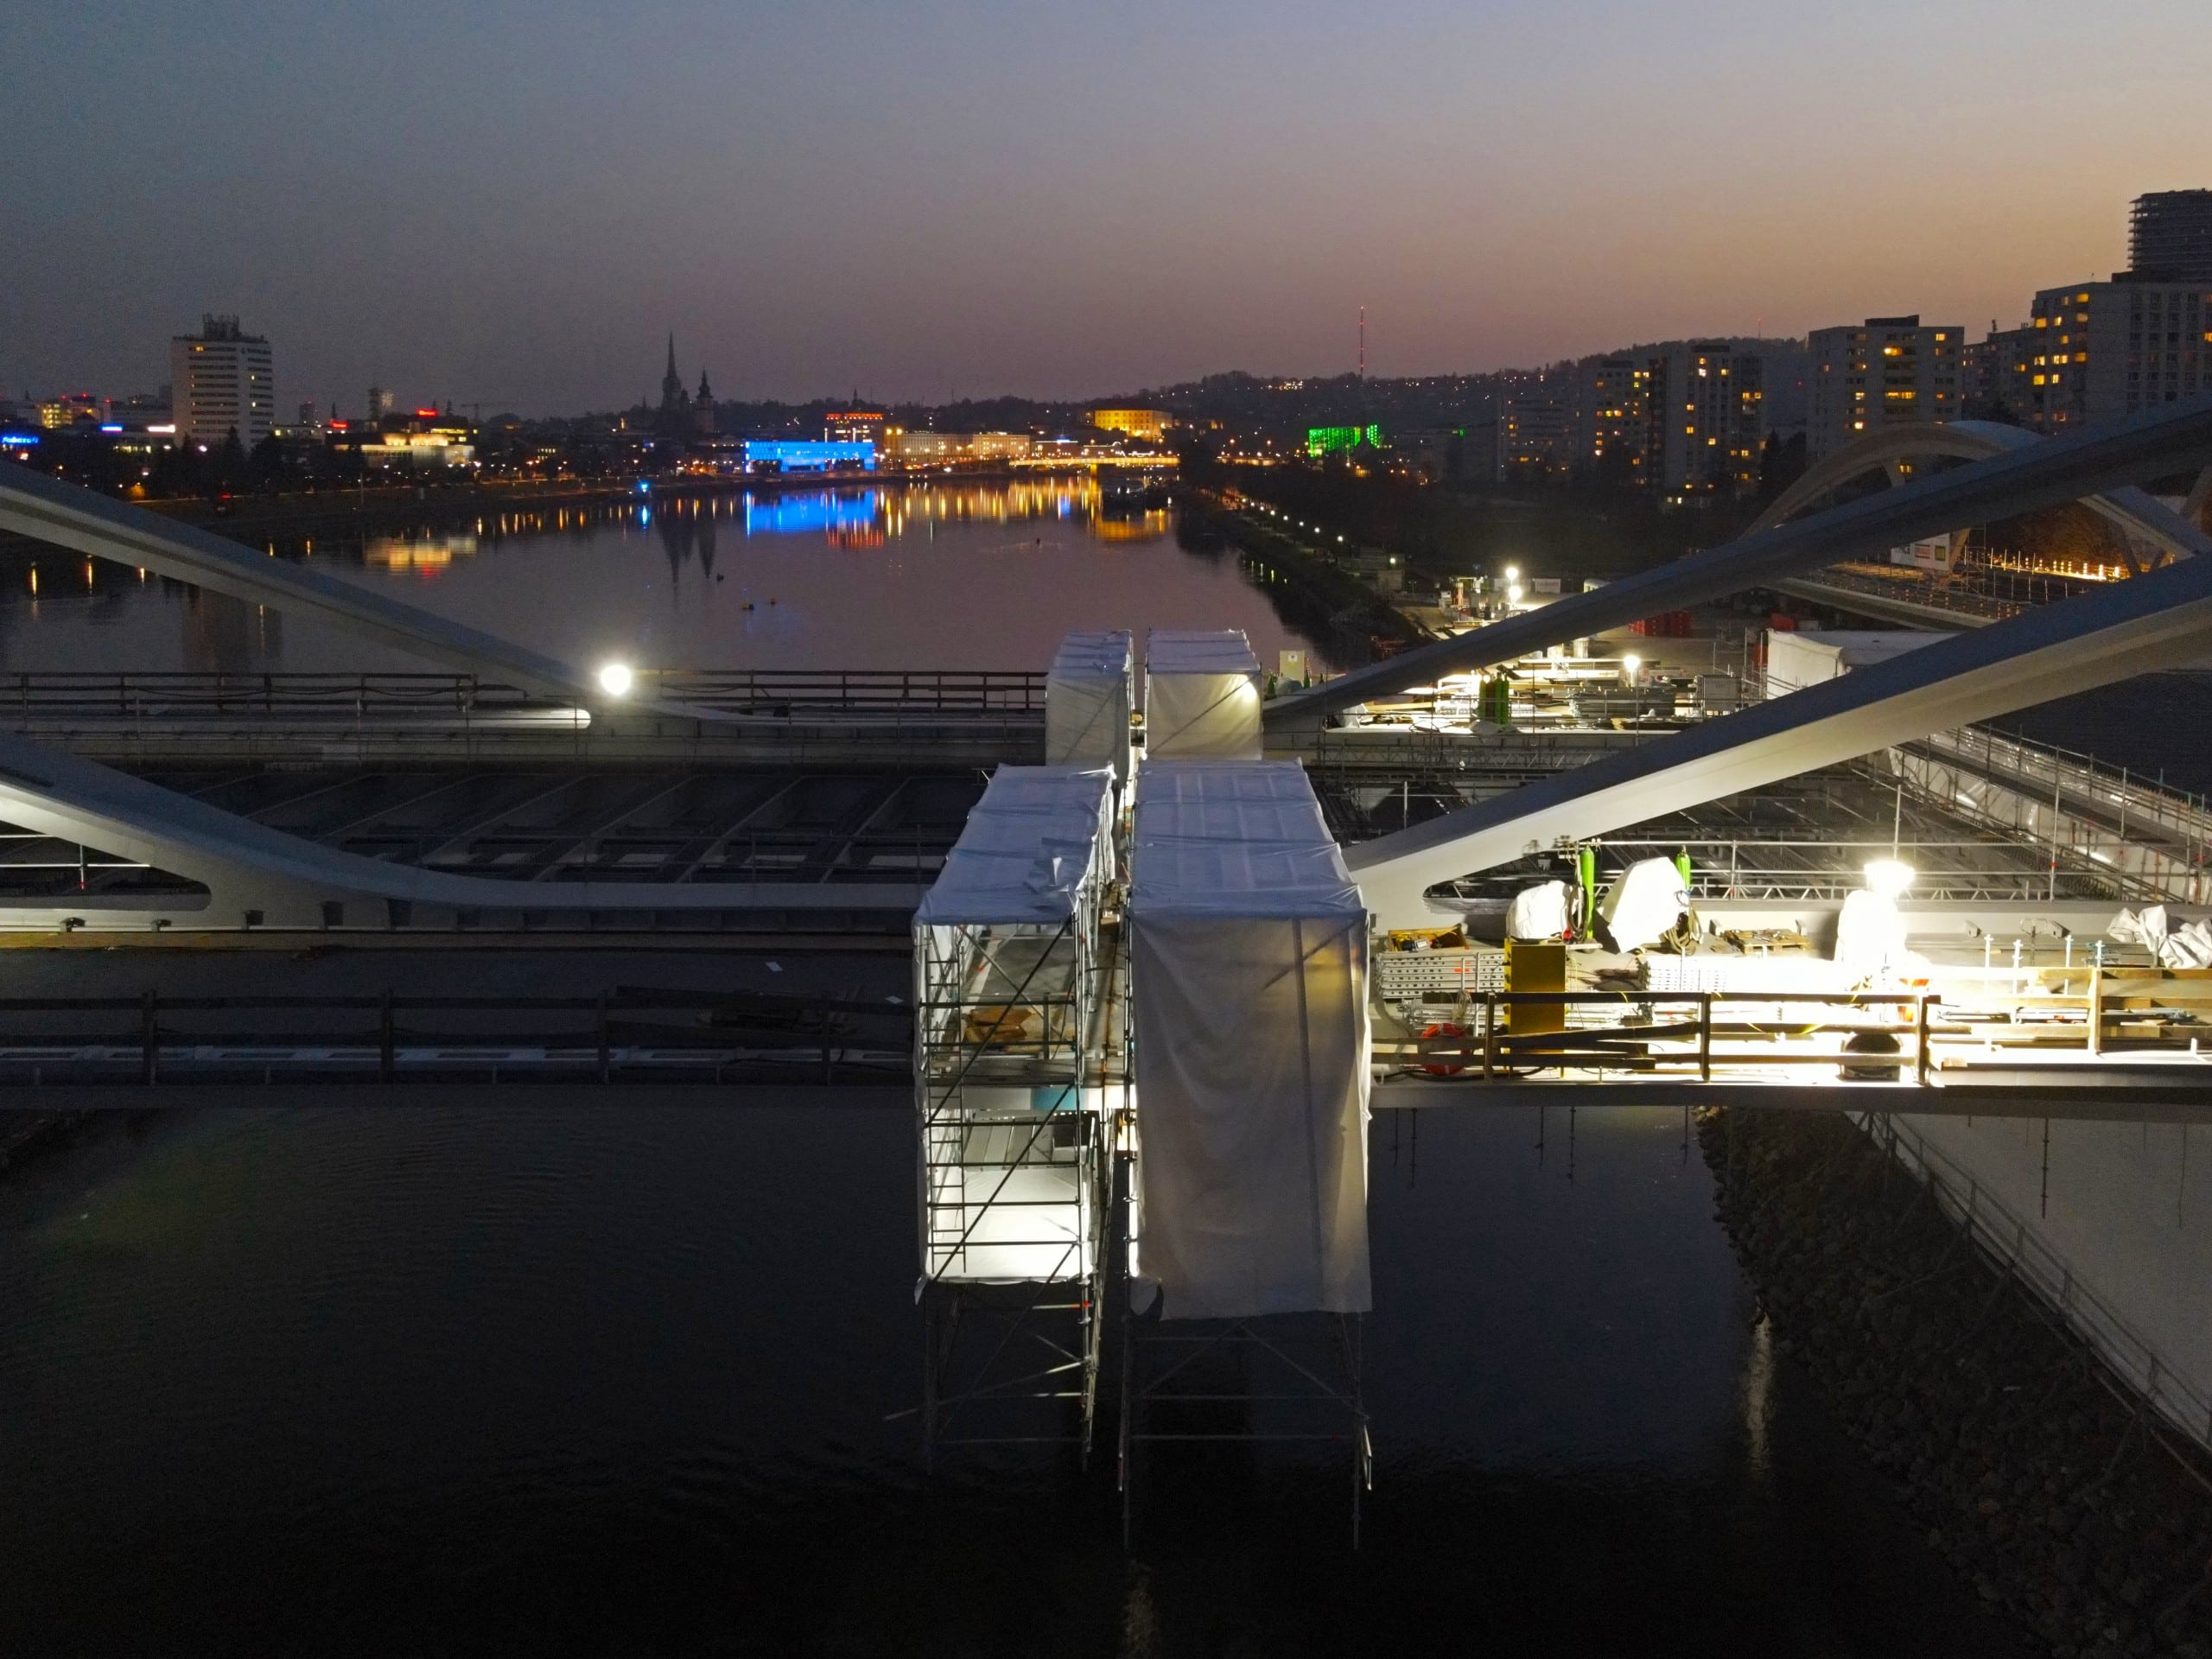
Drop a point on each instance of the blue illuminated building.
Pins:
(795, 456)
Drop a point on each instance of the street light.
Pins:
(1630, 664)
(616, 679)
(1889, 877)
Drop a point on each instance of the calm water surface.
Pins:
(545, 1376)
(926, 576)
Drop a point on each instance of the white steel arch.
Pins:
(2142, 518)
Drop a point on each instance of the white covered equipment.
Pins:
(1538, 912)
(1644, 902)
(1248, 981)
(1202, 695)
(1087, 700)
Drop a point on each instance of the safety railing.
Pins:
(1860, 1036)
(622, 1034)
(2051, 773)
(2014, 1244)
(49, 694)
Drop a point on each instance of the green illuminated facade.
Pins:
(1330, 440)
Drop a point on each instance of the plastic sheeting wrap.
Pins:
(1030, 847)
(1645, 901)
(1087, 703)
(1248, 981)
(1538, 912)
(1201, 696)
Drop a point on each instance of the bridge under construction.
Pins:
(1173, 942)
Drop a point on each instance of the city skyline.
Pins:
(978, 201)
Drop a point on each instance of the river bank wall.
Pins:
(2044, 1477)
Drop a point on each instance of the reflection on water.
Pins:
(426, 553)
(938, 574)
(559, 1377)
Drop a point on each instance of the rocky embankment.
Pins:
(2038, 1478)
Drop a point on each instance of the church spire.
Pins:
(672, 395)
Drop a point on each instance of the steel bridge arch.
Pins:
(2141, 518)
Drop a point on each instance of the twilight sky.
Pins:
(513, 202)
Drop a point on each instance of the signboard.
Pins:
(1932, 553)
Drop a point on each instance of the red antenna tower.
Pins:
(1363, 342)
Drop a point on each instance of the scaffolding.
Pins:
(1243, 1184)
(1008, 983)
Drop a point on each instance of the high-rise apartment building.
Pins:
(1533, 438)
(220, 382)
(2170, 237)
(2097, 351)
(1993, 374)
(1714, 420)
(1621, 420)
(1882, 373)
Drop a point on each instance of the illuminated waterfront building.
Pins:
(221, 381)
(1882, 373)
(1150, 424)
(949, 448)
(800, 456)
(1341, 440)
(855, 425)
(999, 446)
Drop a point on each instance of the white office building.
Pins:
(220, 382)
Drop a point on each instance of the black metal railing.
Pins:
(621, 1034)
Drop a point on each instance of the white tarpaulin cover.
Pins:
(1201, 695)
(1645, 901)
(1538, 912)
(1248, 981)
(1026, 851)
(1087, 703)
(1795, 660)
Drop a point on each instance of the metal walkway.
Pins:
(629, 850)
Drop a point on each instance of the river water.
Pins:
(544, 1375)
(930, 576)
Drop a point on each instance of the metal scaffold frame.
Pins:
(1301, 1372)
(1011, 1171)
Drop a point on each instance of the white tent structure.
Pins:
(1249, 959)
(1087, 703)
(1202, 695)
